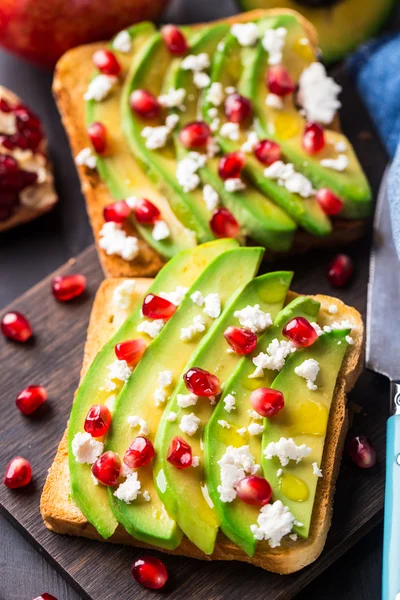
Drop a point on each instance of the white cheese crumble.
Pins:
(146, 496)
(273, 358)
(213, 147)
(287, 177)
(235, 464)
(230, 131)
(198, 326)
(224, 424)
(171, 121)
(212, 306)
(125, 470)
(164, 380)
(309, 370)
(201, 80)
(242, 431)
(122, 295)
(85, 448)
(229, 403)
(234, 184)
(210, 197)
(215, 96)
(152, 328)
(254, 415)
(255, 429)
(172, 98)
(100, 87)
(273, 523)
(253, 318)
(273, 42)
(86, 158)
(285, 450)
(119, 370)
(349, 340)
(160, 231)
(230, 90)
(214, 125)
(332, 309)
(171, 417)
(185, 400)
(114, 240)
(195, 461)
(196, 62)
(249, 145)
(186, 171)
(122, 42)
(212, 112)
(316, 470)
(129, 489)
(177, 296)
(318, 94)
(279, 472)
(246, 34)
(341, 146)
(136, 421)
(344, 324)
(198, 298)
(207, 497)
(156, 137)
(317, 328)
(336, 164)
(189, 424)
(293, 537)
(274, 101)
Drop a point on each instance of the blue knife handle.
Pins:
(391, 542)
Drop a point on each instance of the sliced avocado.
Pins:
(334, 21)
(231, 64)
(149, 521)
(262, 220)
(120, 171)
(181, 490)
(181, 270)
(152, 61)
(236, 516)
(305, 419)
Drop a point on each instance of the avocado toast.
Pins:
(274, 204)
(263, 306)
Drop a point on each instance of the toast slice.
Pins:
(72, 73)
(61, 515)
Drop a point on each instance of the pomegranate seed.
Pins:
(362, 452)
(223, 224)
(254, 490)
(279, 81)
(139, 453)
(313, 138)
(146, 212)
(194, 135)
(144, 104)
(8, 164)
(243, 341)
(107, 468)
(16, 327)
(150, 572)
(300, 332)
(267, 402)
(31, 398)
(106, 62)
(45, 596)
(330, 203)
(18, 473)
(97, 133)
(340, 270)
(230, 165)
(238, 108)
(4, 106)
(117, 212)
(98, 420)
(267, 152)
(131, 351)
(68, 287)
(179, 453)
(174, 40)
(201, 382)
(155, 307)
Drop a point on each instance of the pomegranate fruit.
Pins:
(98, 420)
(106, 62)
(16, 327)
(139, 453)
(146, 213)
(231, 165)
(131, 351)
(18, 473)
(150, 572)
(223, 224)
(242, 341)
(267, 402)
(97, 133)
(300, 332)
(313, 138)
(279, 81)
(68, 287)
(194, 135)
(155, 307)
(201, 382)
(329, 202)
(116, 212)
(267, 152)
(254, 490)
(45, 596)
(238, 109)
(31, 398)
(174, 39)
(144, 104)
(179, 453)
(340, 270)
(362, 452)
(107, 468)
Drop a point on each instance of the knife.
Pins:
(383, 356)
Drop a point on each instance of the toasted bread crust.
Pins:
(61, 515)
(72, 73)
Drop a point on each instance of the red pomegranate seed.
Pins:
(150, 572)
(238, 108)
(243, 341)
(362, 452)
(340, 270)
(267, 402)
(18, 473)
(146, 212)
(230, 165)
(330, 203)
(267, 152)
(254, 490)
(179, 453)
(174, 40)
(16, 327)
(68, 287)
(194, 135)
(223, 224)
(31, 398)
(139, 453)
(106, 62)
(201, 382)
(107, 468)
(8, 164)
(117, 212)
(144, 104)
(97, 133)
(131, 351)
(98, 420)
(155, 307)
(279, 81)
(45, 596)
(313, 138)
(300, 332)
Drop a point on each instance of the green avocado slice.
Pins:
(118, 169)
(181, 270)
(181, 490)
(304, 419)
(149, 521)
(236, 516)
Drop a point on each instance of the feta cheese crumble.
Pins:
(189, 424)
(85, 448)
(136, 421)
(341, 146)
(332, 309)
(198, 326)
(273, 42)
(119, 370)
(273, 523)
(229, 403)
(186, 171)
(195, 461)
(172, 98)
(177, 296)
(254, 415)
(160, 230)
(146, 496)
(185, 400)
(196, 62)
(100, 87)
(235, 464)
(246, 34)
(122, 295)
(255, 429)
(249, 145)
(336, 164)
(210, 197)
(198, 298)
(224, 424)
(171, 417)
(114, 240)
(285, 450)
(316, 470)
(212, 306)
(201, 80)
(152, 328)
(230, 131)
(164, 380)
(318, 94)
(215, 96)
(86, 158)
(122, 42)
(273, 358)
(234, 184)
(309, 370)
(253, 318)
(129, 489)
(274, 101)
(287, 177)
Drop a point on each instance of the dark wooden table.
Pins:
(31, 252)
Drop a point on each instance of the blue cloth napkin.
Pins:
(376, 68)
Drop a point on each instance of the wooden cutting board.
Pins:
(101, 571)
